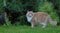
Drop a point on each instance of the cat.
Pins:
(39, 18)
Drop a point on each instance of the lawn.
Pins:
(28, 29)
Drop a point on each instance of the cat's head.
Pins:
(29, 15)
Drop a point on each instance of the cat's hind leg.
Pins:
(44, 25)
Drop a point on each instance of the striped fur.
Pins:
(39, 18)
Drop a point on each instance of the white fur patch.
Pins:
(29, 19)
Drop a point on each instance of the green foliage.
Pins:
(14, 5)
(19, 5)
(1, 6)
(48, 8)
(56, 4)
(54, 16)
(23, 20)
(38, 5)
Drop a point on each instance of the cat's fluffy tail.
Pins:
(51, 21)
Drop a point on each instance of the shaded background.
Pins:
(17, 9)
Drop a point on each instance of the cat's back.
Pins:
(40, 14)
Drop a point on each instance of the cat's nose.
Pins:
(29, 16)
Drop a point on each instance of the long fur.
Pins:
(39, 18)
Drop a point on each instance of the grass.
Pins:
(28, 29)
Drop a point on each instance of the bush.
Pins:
(48, 8)
(23, 21)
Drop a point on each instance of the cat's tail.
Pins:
(51, 21)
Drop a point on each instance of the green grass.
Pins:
(28, 29)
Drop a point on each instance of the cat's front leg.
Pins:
(32, 25)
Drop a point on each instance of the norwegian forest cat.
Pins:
(39, 18)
